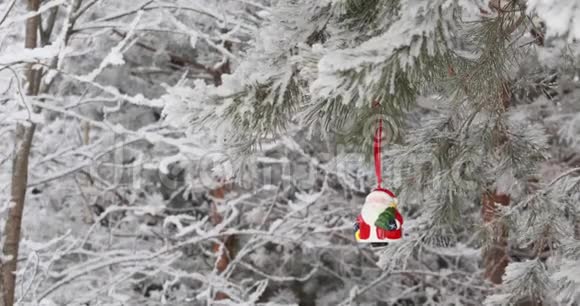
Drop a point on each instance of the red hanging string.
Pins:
(377, 153)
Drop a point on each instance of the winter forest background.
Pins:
(217, 152)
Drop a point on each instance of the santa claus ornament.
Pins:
(379, 221)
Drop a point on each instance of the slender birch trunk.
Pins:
(24, 136)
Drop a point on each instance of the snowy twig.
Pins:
(26, 290)
(554, 181)
(19, 90)
(47, 6)
(8, 9)
(141, 7)
(280, 279)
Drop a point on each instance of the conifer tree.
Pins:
(322, 65)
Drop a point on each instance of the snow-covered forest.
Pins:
(218, 152)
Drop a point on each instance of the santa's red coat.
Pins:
(365, 229)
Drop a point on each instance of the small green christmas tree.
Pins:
(386, 219)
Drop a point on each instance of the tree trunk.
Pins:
(577, 227)
(495, 258)
(24, 136)
(228, 242)
(2, 302)
(218, 194)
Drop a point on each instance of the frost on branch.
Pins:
(18, 54)
(562, 18)
(523, 281)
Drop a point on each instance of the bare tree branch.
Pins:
(10, 7)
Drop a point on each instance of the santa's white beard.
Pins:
(371, 211)
(375, 203)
